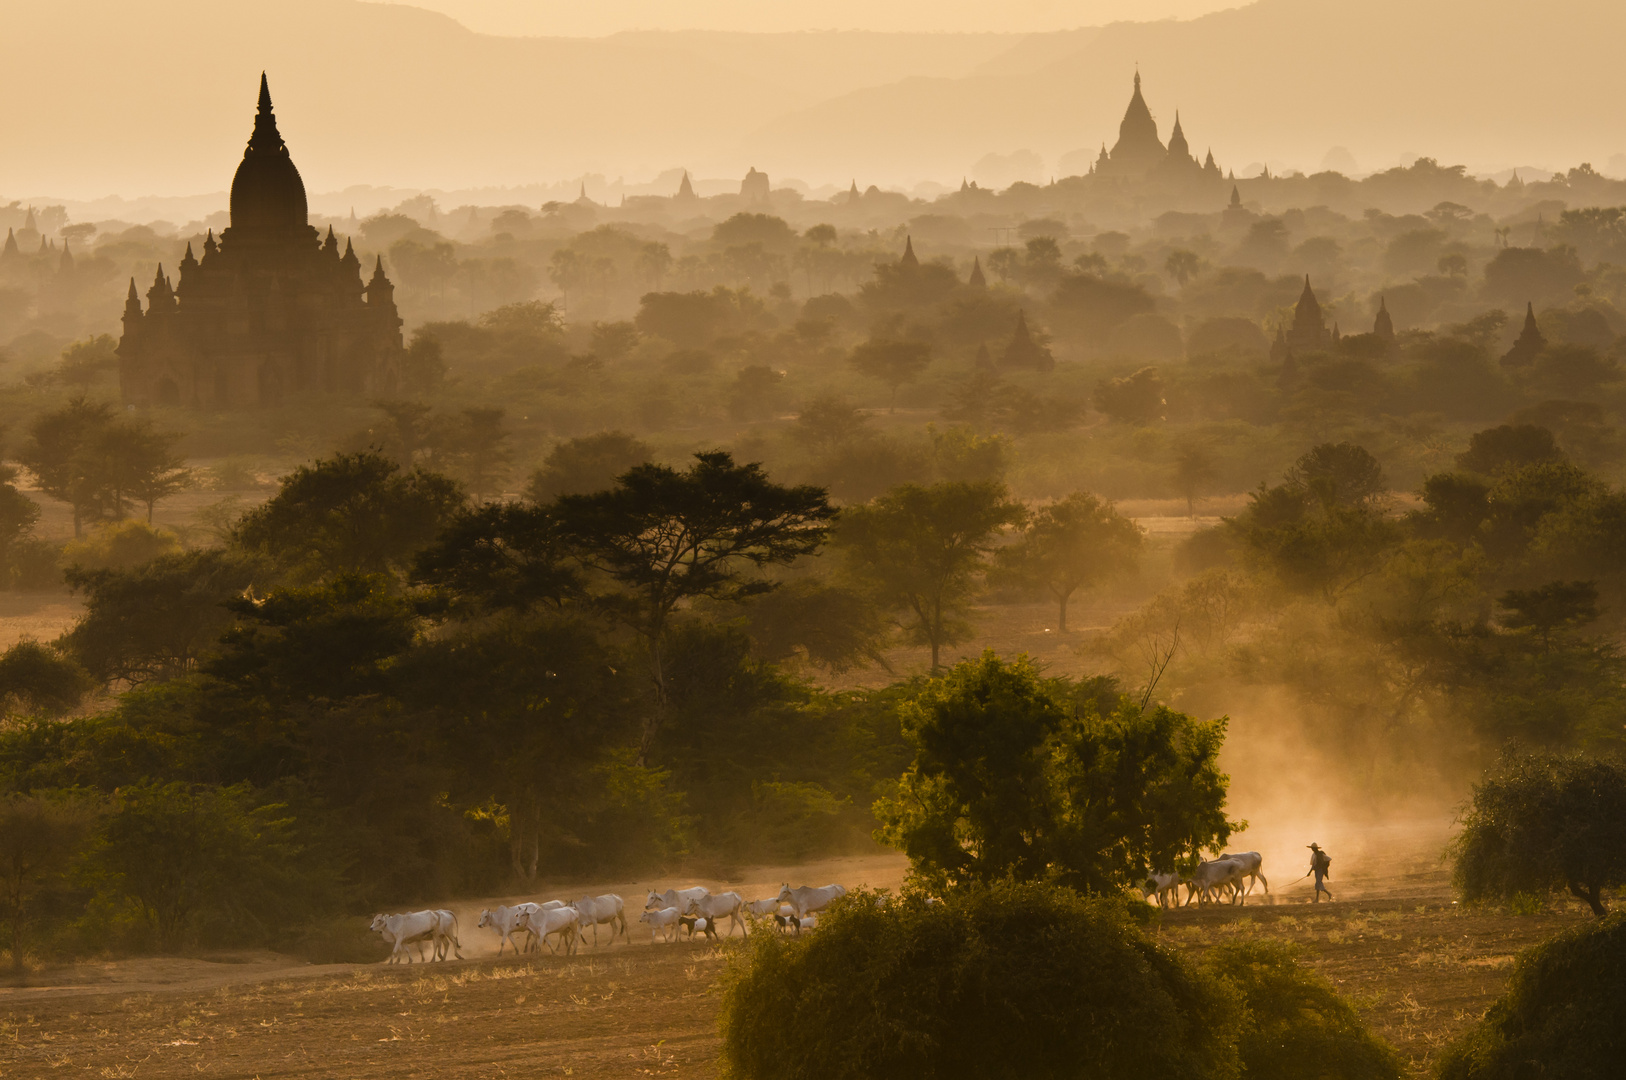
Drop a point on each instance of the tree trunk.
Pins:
(1591, 894)
(1061, 614)
(656, 718)
(524, 833)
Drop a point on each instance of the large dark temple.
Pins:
(271, 311)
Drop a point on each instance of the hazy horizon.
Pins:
(407, 98)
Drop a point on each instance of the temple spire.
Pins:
(977, 279)
(1530, 342)
(909, 253)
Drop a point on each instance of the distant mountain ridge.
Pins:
(153, 95)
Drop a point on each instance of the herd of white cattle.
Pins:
(1229, 877)
(561, 925)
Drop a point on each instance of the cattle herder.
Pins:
(1321, 867)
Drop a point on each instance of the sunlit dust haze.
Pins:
(149, 99)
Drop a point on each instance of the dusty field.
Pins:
(1420, 968)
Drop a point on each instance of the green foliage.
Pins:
(38, 679)
(1132, 399)
(1071, 544)
(351, 513)
(40, 838)
(1294, 1020)
(173, 854)
(99, 463)
(1562, 1014)
(891, 361)
(1013, 981)
(1499, 450)
(923, 550)
(663, 538)
(1019, 777)
(326, 642)
(1544, 823)
(586, 464)
(499, 556)
(18, 516)
(157, 620)
(122, 545)
(1321, 531)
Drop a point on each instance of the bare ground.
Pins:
(1420, 967)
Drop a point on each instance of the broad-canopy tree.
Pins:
(662, 538)
(923, 550)
(500, 556)
(356, 513)
(158, 620)
(1020, 777)
(1073, 543)
(1544, 823)
(99, 463)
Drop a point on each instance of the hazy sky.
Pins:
(157, 98)
(559, 17)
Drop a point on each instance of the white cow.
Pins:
(404, 929)
(396, 949)
(607, 908)
(805, 899)
(446, 933)
(1252, 867)
(678, 898)
(663, 921)
(506, 921)
(1162, 885)
(547, 922)
(718, 906)
(1210, 877)
(763, 907)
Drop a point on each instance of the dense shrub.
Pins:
(1563, 1013)
(1023, 981)
(1296, 1023)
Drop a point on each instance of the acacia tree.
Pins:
(1541, 823)
(55, 455)
(924, 549)
(664, 538)
(145, 463)
(87, 456)
(1021, 778)
(1072, 544)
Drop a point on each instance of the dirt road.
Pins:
(1419, 966)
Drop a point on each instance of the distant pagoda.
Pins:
(270, 312)
(1139, 154)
